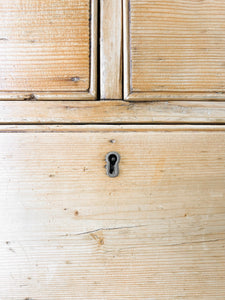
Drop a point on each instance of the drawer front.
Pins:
(69, 231)
(48, 49)
(174, 49)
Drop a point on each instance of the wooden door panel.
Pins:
(48, 49)
(174, 50)
(68, 231)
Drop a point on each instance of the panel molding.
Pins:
(110, 128)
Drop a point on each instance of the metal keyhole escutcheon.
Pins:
(112, 167)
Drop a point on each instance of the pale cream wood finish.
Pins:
(174, 50)
(70, 232)
(111, 112)
(111, 49)
(48, 49)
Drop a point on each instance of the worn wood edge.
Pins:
(90, 94)
(47, 96)
(180, 96)
(111, 49)
(126, 50)
(109, 128)
(116, 112)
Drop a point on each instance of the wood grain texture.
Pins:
(111, 49)
(174, 49)
(67, 231)
(48, 49)
(119, 112)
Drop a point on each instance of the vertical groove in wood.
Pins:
(111, 49)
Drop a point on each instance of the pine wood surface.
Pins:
(111, 47)
(118, 112)
(174, 49)
(48, 49)
(68, 231)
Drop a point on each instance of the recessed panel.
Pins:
(47, 49)
(174, 49)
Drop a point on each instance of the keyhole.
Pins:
(112, 166)
(112, 160)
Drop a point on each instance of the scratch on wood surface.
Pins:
(196, 242)
(102, 229)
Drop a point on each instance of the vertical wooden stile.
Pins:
(111, 49)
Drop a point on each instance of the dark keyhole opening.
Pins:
(112, 160)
